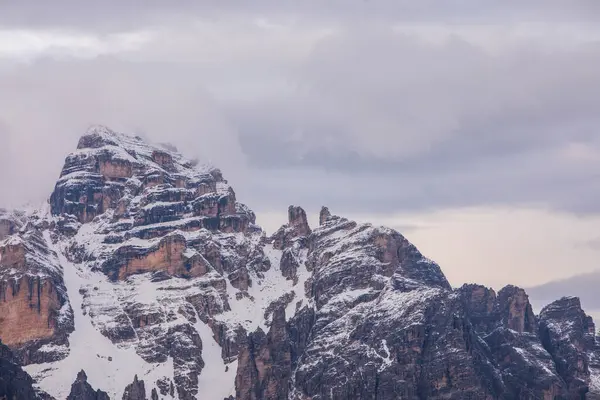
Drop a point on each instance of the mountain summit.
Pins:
(145, 268)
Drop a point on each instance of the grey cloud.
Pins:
(584, 286)
(362, 120)
(46, 106)
(460, 126)
(114, 15)
(593, 244)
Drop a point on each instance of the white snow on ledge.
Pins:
(108, 367)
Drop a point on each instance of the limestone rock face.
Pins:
(296, 228)
(167, 256)
(265, 364)
(145, 264)
(124, 175)
(508, 327)
(569, 335)
(516, 311)
(35, 316)
(82, 390)
(34, 304)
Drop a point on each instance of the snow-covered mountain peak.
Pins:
(143, 267)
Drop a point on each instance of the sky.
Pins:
(471, 126)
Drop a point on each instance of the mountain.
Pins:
(144, 275)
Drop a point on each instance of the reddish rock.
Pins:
(168, 257)
(516, 310)
(28, 310)
(264, 364)
(296, 229)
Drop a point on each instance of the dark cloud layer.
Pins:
(301, 104)
(584, 286)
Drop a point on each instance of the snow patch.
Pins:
(217, 379)
(108, 367)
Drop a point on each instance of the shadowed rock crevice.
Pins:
(265, 363)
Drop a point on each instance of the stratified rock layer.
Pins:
(165, 276)
(35, 316)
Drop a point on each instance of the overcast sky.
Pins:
(472, 126)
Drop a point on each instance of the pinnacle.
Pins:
(323, 215)
(81, 376)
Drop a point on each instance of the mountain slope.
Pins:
(146, 266)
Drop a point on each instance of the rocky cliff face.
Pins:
(15, 384)
(569, 336)
(146, 265)
(35, 316)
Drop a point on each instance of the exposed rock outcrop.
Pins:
(509, 328)
(168, 256)
(296, 228)
(569, 336)
(170, 276)
(324, 215)
(15, 384)
(34, 311)
(265, 364)
(135, 390)
(82, 390)
(114, 172)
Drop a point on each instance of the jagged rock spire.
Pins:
(135, 390)
(296, 228)
(323, 215)
(81, 376)
(298, 221)
(82, 390)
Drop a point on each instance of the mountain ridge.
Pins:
(144, 264)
